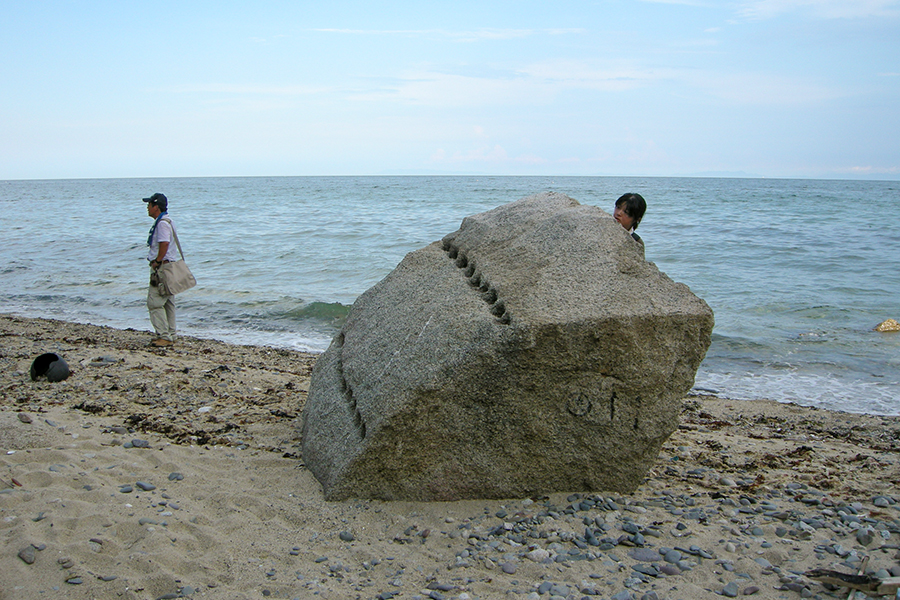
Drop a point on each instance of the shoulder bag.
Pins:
(175, 277)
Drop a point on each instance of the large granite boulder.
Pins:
(533, 350)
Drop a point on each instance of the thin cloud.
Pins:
(762, 89)
(870, 170)
(487, 155)
(823, 9)
(544, 82)
(248, 90)
(698, 3)
(580, 75)
(461, 36)
(265, 41)
(535, 84)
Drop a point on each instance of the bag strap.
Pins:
(175, 235)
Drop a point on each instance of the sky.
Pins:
(758, 88)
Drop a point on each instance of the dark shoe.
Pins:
(162, 342)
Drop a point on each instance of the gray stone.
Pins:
(27, 555)
(864, 536)
(644, 555)
(533, 350)
(673, 556)
(670, 570)
(646, 569)
(51, 365)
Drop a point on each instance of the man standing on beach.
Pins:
(161, 306)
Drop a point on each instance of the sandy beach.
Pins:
(165, 473)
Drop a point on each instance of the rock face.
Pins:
(533, 350)
(888, 325)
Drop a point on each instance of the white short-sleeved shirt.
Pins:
(163, 233)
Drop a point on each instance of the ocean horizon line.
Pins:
(702, 175)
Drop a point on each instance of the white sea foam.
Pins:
(820, 391)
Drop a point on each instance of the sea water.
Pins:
(797, 272)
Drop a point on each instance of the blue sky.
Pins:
(770, 88)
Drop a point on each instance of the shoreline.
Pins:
(153, 472)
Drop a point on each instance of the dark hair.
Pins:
(634, 206)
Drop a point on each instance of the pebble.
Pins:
(646, 569)
(644, 555)
(672, 556)
(864, 536)
(730, 590)
(27, 554)
(346, 536)
(24, 418)
(147, 487)
(538, 555)
(670, 570)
